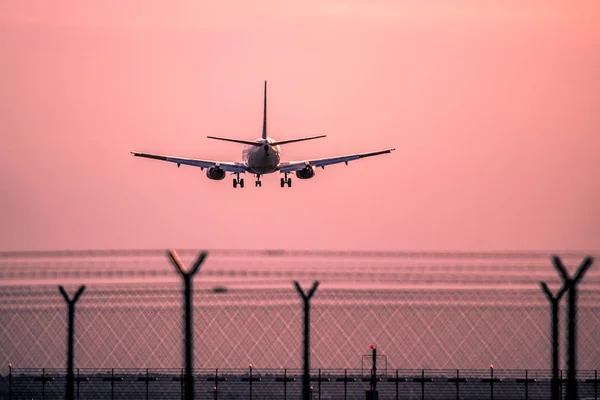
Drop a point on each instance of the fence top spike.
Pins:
(310, 293)
(564, 274)
(583, 267)
(64, 293)
(176, 261)
(199, 261)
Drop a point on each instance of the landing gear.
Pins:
(237, 181)
(258, 182)
(286, 180)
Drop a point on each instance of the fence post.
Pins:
(374, 372)
(554, 311)
(345, 383)
(188, 276)
(526, 386)
(572, 283)
(492, 381)
(561, 385)
(43, 383)
(284, 383)
(71, 337)
(78, 383)
(147, 383)
(250, 381)
(422, 384)
(216, 383)
(112, 384)
(306, 393)
(457, 385)
(319, 383)
(181, 385)
(396, 383)
(9, 381)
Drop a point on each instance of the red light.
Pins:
(372, 346)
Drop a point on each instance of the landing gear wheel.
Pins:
(282, 182)
(234, 183)
(289, 182)
(242, 182)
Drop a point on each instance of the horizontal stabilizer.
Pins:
(297, 140)
(236, 141)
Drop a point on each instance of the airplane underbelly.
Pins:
(262, 162)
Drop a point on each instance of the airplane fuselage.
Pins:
(262, 159)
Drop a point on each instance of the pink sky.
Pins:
(493, 107)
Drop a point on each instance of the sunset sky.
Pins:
(493, 108)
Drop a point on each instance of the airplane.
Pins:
(262, 156)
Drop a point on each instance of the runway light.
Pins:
(372, 346)
(492, 366)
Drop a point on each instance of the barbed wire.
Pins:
(301, 253)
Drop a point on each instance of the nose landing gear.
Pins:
(286, 180)
(258, 182)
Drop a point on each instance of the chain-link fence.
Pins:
(437, 312)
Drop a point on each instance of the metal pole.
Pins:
(285, 384)
(319, 383)
(554, 311)
(306, 393)
(250, 381)
(374, 371)
(492, 382)
(188, 291)
(560, 392)
(526, 386)
(345, 383)
(396, 383)
(216, 383)
(71, 338)
(10, 381)
(596, 384)
(422, 384)
(457, 385)
(147, 383)
(112, 384)
(571, 283)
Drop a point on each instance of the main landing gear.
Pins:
(258, 182)
(286, 180)
(237, 181)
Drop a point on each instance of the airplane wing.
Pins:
(194, 162)
(323, 162)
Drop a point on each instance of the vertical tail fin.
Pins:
(264, 131)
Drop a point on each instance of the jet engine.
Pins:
(215, 173)
(306, 172)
